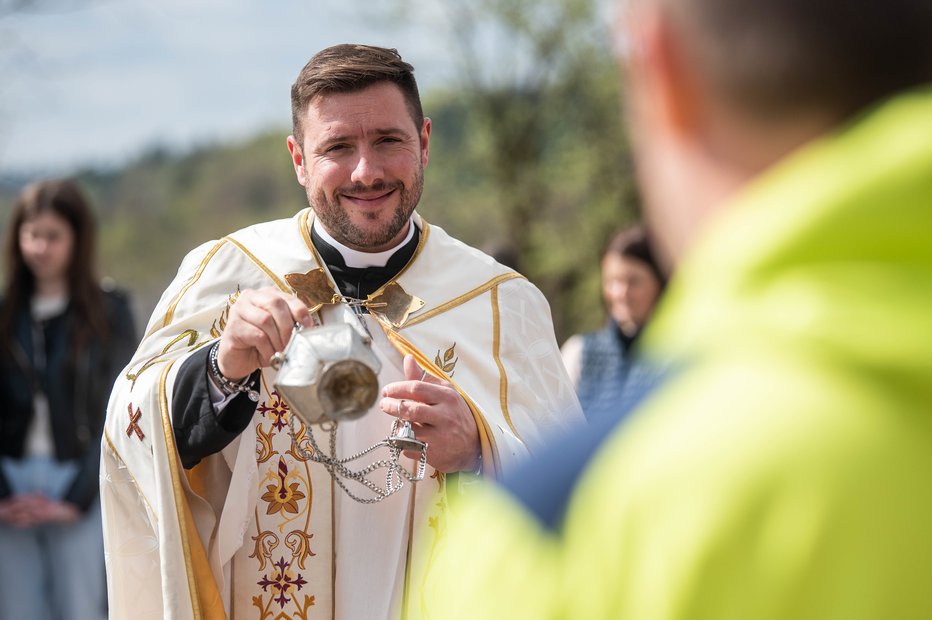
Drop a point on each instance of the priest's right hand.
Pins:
(259, 325)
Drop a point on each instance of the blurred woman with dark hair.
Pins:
(63, 339)
(603, 364)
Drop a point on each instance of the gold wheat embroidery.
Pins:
(220, 324)
(448, 363)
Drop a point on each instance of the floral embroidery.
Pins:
(282, 582)
(282, 497)
(300, 544)
(265, 543)
(285, 487)
(302, 439)
(264, 449)
(277, 410)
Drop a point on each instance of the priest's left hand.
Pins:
(439, 416)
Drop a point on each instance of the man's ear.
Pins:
(425, 142)
(297, 159)
(659, 70)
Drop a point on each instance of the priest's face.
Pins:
(362, 165)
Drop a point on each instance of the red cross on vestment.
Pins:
(134, 423)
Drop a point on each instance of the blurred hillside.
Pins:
(532, 162)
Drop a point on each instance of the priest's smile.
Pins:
(370, 201)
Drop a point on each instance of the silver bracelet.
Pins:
(245, 386)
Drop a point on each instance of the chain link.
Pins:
(395, 476)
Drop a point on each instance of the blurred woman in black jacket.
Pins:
(63, 340)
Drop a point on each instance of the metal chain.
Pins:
(395, 474)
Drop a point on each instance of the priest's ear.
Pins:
(297, 160)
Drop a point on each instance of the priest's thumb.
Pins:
(413, 372)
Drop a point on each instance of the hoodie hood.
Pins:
(828, 254)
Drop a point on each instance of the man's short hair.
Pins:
(349, 68)
(776, 58)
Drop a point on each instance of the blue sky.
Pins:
(97, 82)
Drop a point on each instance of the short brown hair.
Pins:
(349, 68)
(777, 58)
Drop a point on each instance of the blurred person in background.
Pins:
(63, 339)
(604, 365)
(782, 468)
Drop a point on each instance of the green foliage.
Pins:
(537, 160)
(528, 157)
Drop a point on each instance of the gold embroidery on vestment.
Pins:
(189, 334)
(448, 363)
(286, 492)
(220, 323)
(170, 313)
(258, 263)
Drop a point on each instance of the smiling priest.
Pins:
(217, 501)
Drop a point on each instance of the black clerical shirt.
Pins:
(360, 282)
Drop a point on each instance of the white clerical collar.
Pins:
(355, 258)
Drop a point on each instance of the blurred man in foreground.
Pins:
(782, 470)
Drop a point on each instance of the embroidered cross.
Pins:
(134, 423)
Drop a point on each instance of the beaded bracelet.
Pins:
(245, 386)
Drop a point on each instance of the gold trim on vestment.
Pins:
(464, 297)
(170, 313)
(205, 598)
(503, 376)
(258, 263)
(305, 230)
(307, 222)
(421, 242)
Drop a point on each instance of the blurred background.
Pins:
(173, 114)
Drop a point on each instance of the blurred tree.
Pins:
(529, 161)
(529, 153)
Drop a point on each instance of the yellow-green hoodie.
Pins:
(786, 471)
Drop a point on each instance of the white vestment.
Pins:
(257, 531)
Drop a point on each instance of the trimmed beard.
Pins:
(335, 219)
